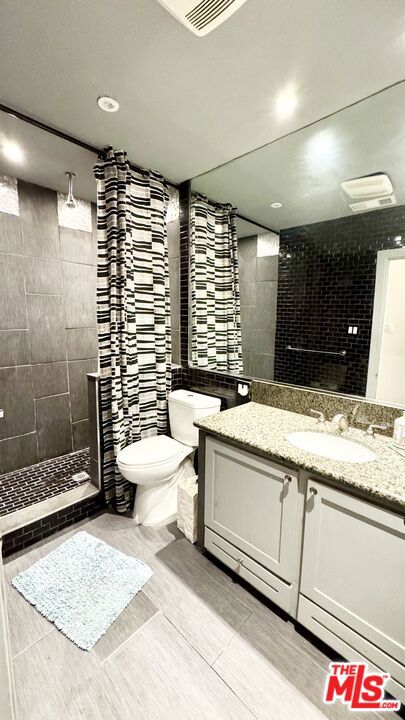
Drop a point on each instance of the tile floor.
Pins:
(193, 644)
(22, 488)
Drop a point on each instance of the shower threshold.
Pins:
(49, 487)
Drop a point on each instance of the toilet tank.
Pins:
(186, 406)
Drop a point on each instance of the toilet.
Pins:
(158, 464)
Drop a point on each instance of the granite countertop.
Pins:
(262, 428)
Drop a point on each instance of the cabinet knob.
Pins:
(313, 491)
(240, 561)
(288, 478)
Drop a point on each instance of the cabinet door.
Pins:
(353, 565)
(254, 504)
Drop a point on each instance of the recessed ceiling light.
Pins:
(12, 151)
(286, 103)
(108, 104)
(276, 205)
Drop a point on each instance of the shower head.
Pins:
(70, 201)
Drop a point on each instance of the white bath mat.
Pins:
(83, 586)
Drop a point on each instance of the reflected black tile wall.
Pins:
(47, 330)
(326, 282)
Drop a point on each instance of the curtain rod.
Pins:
(64, 136)
(241, 217)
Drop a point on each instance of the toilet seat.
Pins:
(152, 452)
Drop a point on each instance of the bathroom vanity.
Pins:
(323, 539)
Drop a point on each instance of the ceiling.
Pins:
(189, 104)
(47, 158)
(304, 170)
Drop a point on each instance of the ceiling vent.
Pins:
(202, 17)
(375, 204)
(370, 186)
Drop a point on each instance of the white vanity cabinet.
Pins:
(352, 588)
(253, 520)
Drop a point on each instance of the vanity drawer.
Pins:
(352, 646)
(279, 591)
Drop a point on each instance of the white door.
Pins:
(254, 504)
(386, 377)
(353, 565)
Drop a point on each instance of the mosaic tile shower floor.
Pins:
(22, 488)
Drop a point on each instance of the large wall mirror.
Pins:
(321, 264)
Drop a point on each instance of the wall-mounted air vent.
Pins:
(202, 17)
(375, 204)
(370, 186)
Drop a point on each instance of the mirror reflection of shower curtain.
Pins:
(214, 281)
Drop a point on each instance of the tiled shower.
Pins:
(48, 340)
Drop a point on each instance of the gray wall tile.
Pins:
(15, 348)
(267, 268)
(39, 217)
(176, 353)
(18, 452)
(82, 343)
(247, 250)
(247, 293)
(77, 246)
(50, 379)
(43, 276)
(80, 434)
(94, 430)
(13, 315)
(10, 233)
(34, 328)
(263, 341)
(79, 288)
(247, 316)
(266, 305)
(174, 276)
(173, 238)
(46, 324)
(78, 370)
(95, 472)
(16, 399)
(262, 365)
(53, 426)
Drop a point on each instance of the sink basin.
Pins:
(331, 446)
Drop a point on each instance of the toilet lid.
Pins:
(150, 451)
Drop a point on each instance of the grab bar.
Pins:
(341, 353)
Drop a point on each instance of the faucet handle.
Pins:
(372, 428)
(319, 415)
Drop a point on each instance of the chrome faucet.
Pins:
(340, 422)
(372, 428)
(319, 415)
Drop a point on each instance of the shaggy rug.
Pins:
(83, 586)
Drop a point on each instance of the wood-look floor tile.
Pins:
(161, 677)
(275, 678)
(200, 607)
(48, 675)
(139, 611)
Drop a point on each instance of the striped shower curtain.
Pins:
(133, 312)
(214, 281)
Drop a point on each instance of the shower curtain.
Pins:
(133, 312)
(214, 283)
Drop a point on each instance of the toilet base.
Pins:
(157, 504)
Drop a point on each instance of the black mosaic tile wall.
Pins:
(23, 537)
(326, 283)
(23, 488)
